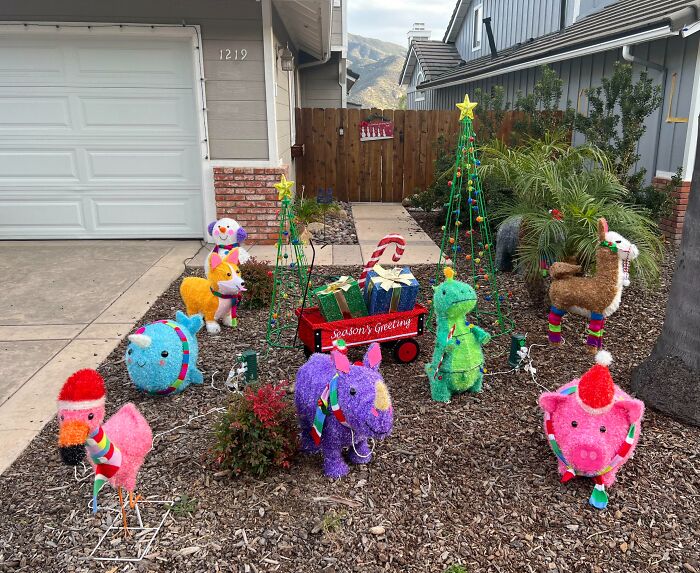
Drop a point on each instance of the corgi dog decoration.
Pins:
(218, 296)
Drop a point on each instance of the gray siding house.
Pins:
(116, 116)
(581, 40)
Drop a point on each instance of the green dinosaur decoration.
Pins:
(458, 362)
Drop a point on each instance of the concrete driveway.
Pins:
(65, 305)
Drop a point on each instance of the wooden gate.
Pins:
(382, 170)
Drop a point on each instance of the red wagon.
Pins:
(395, 330)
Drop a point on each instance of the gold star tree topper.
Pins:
(466, 108)
(284, 188)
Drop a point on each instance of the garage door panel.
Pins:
(33, 164)
(138, 64)
(49, 114)
(173, 165)
(83, 60)
(51, 215)
(144, 115)
(173, 213)
(24, 61)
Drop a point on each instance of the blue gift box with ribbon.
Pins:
(390, 290)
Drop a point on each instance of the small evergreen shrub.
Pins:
(308, 210)
(490, 112)
(258, 283)
(616, 120)
(540, 113)
(439, 192)
(258, 432)
(659, 202)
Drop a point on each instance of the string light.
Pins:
(465, 186)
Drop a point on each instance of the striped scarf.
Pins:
(599, 497)
(235, 301)
(225, 249)
(107, 459)
(329, 398)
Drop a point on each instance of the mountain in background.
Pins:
(379, 65)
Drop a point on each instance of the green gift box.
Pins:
(341, 299)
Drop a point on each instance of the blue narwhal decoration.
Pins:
(162, 356)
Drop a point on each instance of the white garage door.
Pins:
(98, 137)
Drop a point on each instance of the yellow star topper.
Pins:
(284, 188)
(466, 108)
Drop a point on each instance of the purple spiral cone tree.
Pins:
(340, 406)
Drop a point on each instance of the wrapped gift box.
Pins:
(390, 290)
(341, 299)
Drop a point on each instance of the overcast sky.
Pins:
(389, 20)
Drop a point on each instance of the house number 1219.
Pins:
(229, 54)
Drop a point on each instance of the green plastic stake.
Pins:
(517, 341)
(250, 359)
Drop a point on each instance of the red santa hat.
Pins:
(83, 390)
(596, 390)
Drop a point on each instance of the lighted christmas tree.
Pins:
(466, 239)
(290, 277)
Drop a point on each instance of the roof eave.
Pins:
(453, 19)
(411, 53)
(546, 58)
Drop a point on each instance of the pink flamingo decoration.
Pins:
(116, 447)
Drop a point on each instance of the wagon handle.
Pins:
(306, 290)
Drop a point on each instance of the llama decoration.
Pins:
(595, 297)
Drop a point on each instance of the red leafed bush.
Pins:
(258, 431)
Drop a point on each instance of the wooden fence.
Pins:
(383, 170)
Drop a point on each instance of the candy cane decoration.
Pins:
(400, 243)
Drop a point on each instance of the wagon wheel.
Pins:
(307, 352)
(406, 351)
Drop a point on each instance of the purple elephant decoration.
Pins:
(340, 406)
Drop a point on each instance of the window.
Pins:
(477, 25)
(420, 95)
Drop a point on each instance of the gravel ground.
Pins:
(339, 230)
(428, 222)
(470, 482)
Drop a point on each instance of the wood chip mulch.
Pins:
(472, 482)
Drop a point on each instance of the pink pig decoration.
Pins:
(593, 427)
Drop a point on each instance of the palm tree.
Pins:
(669, 380)
(580, 183)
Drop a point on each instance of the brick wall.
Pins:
(247, 195)
(673, 226)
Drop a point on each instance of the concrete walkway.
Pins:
(64, 306)
(372, 222)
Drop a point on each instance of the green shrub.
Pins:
(438, 193)
(580, 183)
(258, 283)
(258, 431)
(540, 109)
(186, 506)
(658, 202)
(490, 112)
(616, 120)
(456, 569)
(308, 210)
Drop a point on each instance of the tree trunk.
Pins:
(669, 380)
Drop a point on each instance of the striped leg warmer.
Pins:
(555, 316)
(595, 330)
